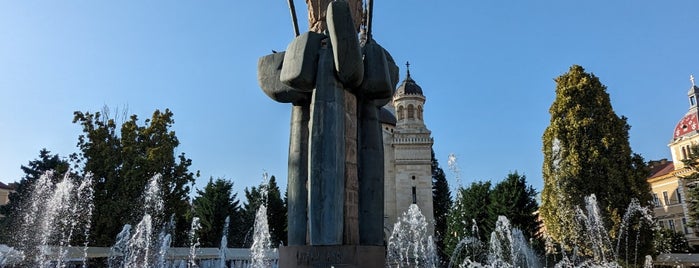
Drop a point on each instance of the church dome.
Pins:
(688, 124)
(409, 87)
(386, 117)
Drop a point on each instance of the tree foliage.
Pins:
(669, 241)
(122, 161)
(18, 199)
(478, 207)
(469, 216)
(586, 151)
(269, 195)
(516, 200)
(441, 202)
(691, 180)
(212, 206)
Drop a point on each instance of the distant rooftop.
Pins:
(660, 168)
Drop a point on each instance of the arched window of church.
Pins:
(684, 153)
(400, 112)
(419, 112)
(411, 111)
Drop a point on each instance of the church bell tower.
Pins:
(409, 165)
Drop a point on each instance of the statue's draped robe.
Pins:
(317, 11)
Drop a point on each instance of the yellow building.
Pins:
(666, 181)
(5, 191)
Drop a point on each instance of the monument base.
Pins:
(332, 256)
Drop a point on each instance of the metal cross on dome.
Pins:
(691, 78)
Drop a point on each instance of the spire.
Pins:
(408, 87)
(407, 67)
(693, 93)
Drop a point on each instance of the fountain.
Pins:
(409, 245)
(55, 213)
(509, 248)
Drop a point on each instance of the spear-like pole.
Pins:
(293, 17)
(370, 14)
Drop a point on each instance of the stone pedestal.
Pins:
(332, 256)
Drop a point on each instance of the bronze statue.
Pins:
(317, 14)
(335, 182)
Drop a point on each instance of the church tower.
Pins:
(685, 133)
(408, 155)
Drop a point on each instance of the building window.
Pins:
(414, 195)
(411, 111)
(400, 112)
(684, 153)
(679, 195)
(413, 177)
(419, 112)
(666, 198)
(692, 101)
(661, 223)
(656, 201)
(671, 224)
(684, 226)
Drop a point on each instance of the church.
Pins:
(666, 180)
(407, 155)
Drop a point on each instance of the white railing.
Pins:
(205, 257)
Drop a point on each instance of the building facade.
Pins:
(408, 155)
(5, 191)
(667, 185)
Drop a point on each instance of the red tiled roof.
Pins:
(661, 169)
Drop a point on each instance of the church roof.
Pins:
(408, 86)
(687, 125)
(386, 117)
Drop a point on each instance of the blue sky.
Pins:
(486, 68)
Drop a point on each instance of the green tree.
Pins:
(19, 198)
(442, 202)
(669, 241)
(122, 163)
(213, 205)
(270, 195)
(586, 151)
(692, 163)
(469, 216)
(516, 200)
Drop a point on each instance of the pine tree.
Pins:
(468, 217)
(586, 151)
(213, 205)
(442, 202)
(516, 200)
(692, 163)
(18, 199)
(276, 212)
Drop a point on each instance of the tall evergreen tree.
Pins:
(270, 195)
(586, 151)
(17, 199)
(516, 200)
(469, 216)
(441, 202)
(213, 205)
(122, 162)
(692, 163)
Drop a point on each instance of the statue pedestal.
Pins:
(332, 256)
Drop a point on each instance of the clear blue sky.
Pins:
(486, 68)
